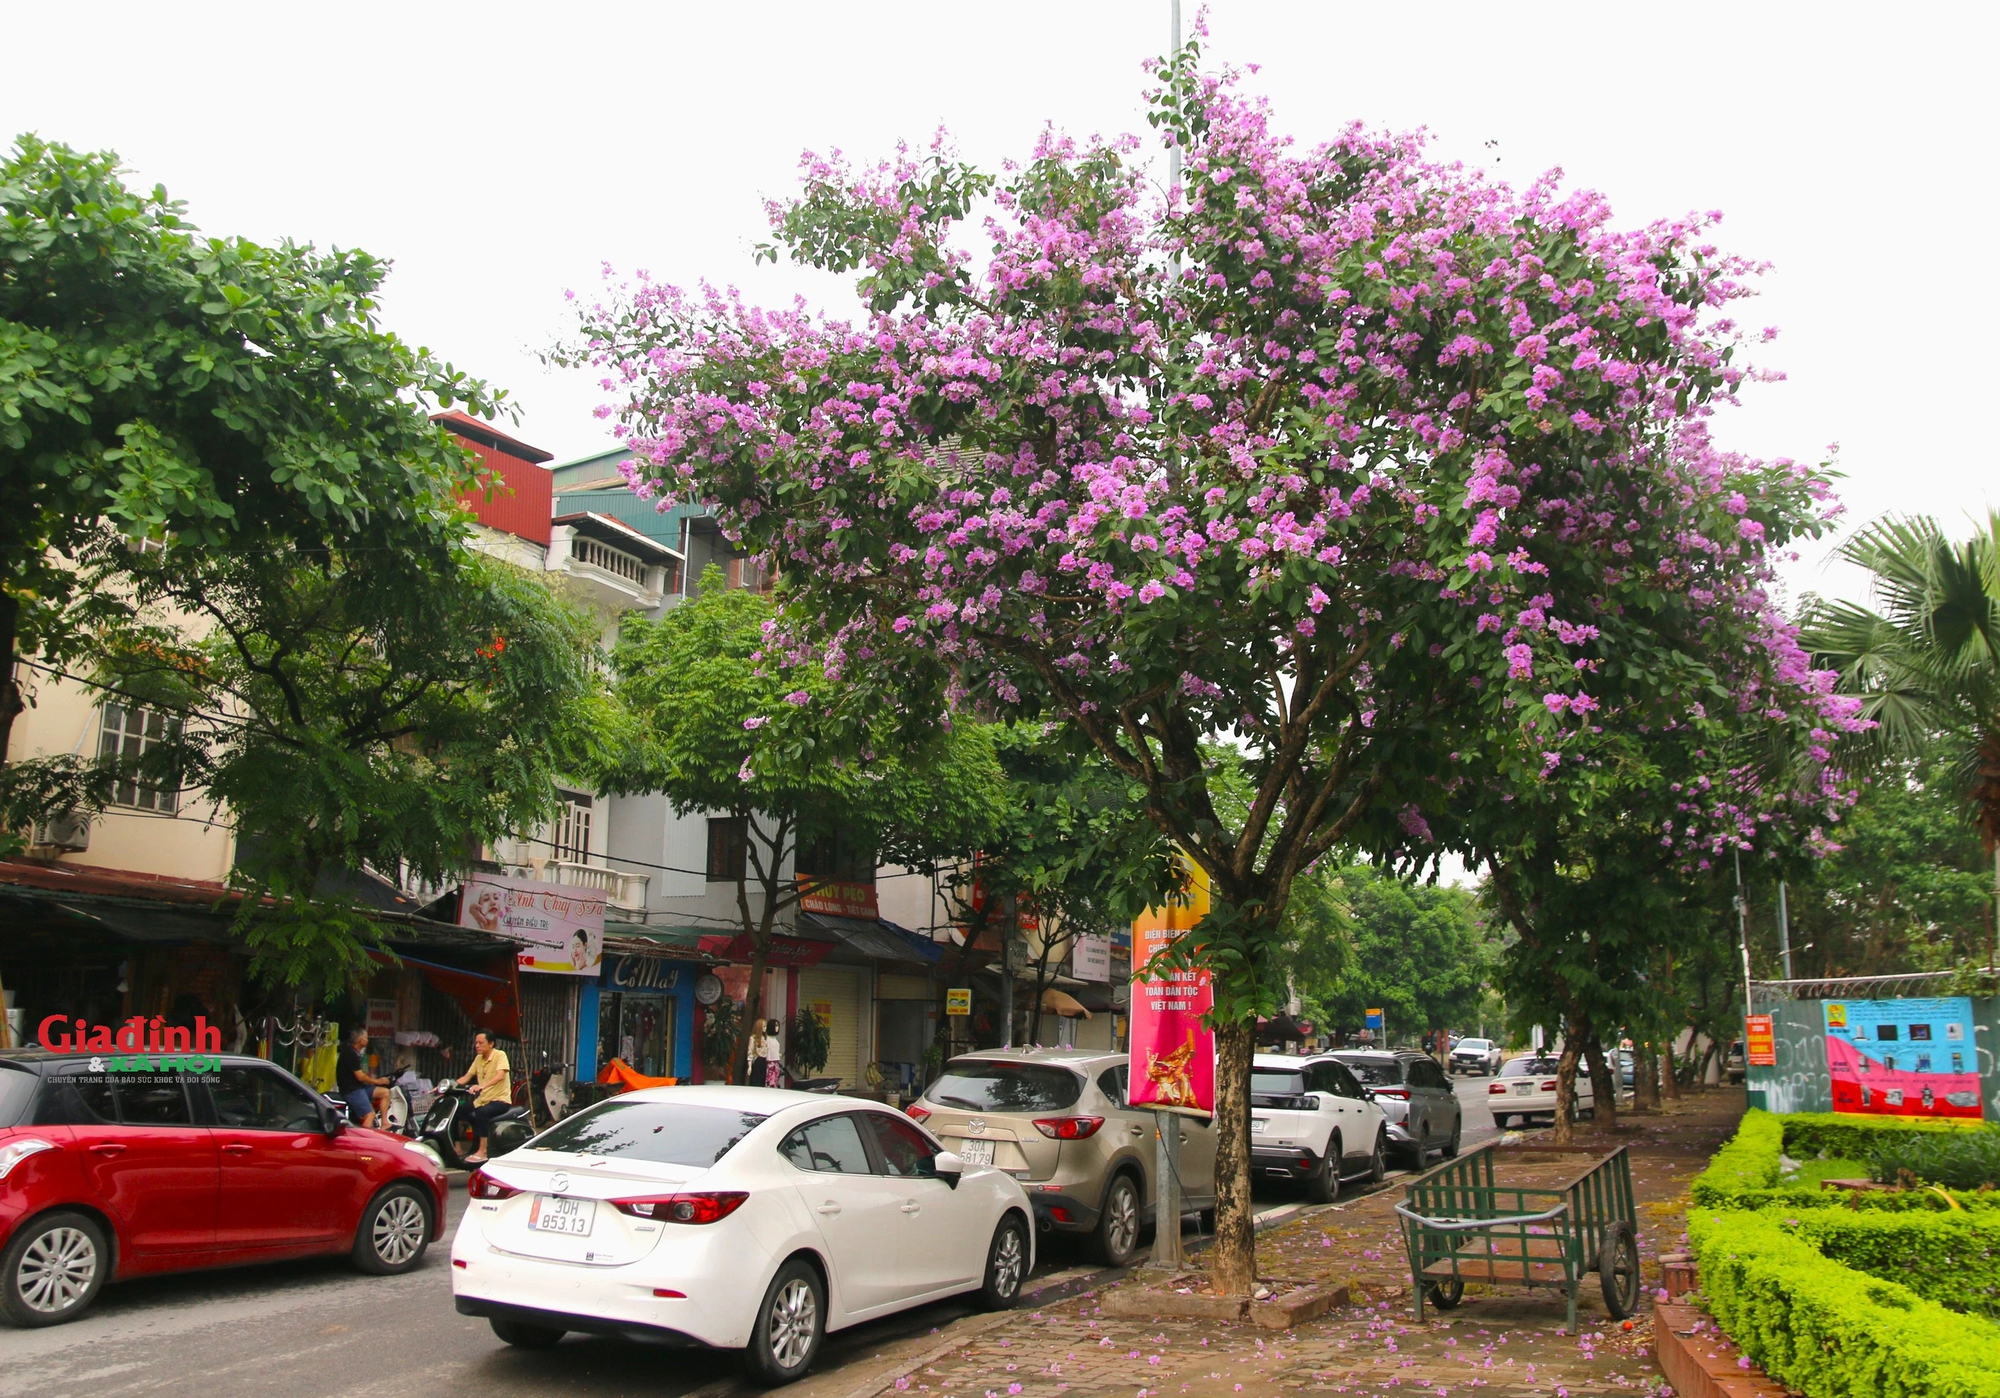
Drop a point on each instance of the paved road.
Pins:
(320, 1330)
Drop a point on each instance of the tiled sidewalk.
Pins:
(1502, 1342)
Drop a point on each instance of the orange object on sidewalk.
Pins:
(619, 1071)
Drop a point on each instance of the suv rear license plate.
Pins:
(976, 1152)
(548, 1214)
(1259, 1124)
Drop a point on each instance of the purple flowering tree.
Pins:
(1394, 477)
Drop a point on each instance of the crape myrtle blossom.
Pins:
(1354, 453)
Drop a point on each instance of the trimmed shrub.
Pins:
(1960, 1159)
(1853, 1136)
(1951, 1258)
(1829, 1329)
(1744, 1174)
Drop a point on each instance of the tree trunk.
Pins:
(10, 688)
(1603, 1086)
(1670, 1079)
(751, 1021)
(1233, 1259)
(1572, 1053)
(1645, 1076)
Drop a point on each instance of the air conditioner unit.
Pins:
(70, 833)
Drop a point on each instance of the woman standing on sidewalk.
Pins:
(767, 1053)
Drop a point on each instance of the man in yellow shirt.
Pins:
(489, 1071)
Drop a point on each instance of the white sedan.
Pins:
(734, 1217)
(1526, 1088)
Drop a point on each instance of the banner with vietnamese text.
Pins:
(1173, 1052)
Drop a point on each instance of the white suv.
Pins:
(1311, 1122)
(1476, 1055)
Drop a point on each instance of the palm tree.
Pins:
(1927, 665)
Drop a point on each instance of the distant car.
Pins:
(1058, 1121)
(1417, 1100)
(1526, 1088)
(1476, 1056)
(1734, 1065)
(732, 1217)
(1313, 1123)
(108, 1174)
(1628, 1072)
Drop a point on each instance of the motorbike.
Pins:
(448, 1130)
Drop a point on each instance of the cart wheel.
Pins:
(1445, 1295)
(1618, 1269)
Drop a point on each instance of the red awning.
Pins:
(784, 951)
(490, 1002)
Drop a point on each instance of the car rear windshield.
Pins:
(666, 1133)
(17, 1093)
(1527, 1067)
(1274, 1082)
(1006, 1087)
(1375, 1072)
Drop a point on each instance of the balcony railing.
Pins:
(611, 560)
(620, 889)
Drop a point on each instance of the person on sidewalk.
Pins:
(767, 1053)
(490, 1073)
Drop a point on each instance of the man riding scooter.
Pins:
(495, 1098)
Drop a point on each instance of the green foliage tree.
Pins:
(1926, 665)
(792, 752)
(214, 391)
(1418, 952)
(350, 711)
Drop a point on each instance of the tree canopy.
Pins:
(1397, 475)
(1418, 953)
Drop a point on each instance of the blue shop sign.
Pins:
(641, 973)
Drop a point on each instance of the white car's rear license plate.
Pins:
(976, 1152)
(548, 1214)
(1522, 1089)
(1258, 1125)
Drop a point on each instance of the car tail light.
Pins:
(668, 1293)
(1401, 1094)
(1497, 1087)
(918, 1113)
(484, 1186)
(14, 1152)
(1069, 1128)
(711, 1206)
(1549, 1086)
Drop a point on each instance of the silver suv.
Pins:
(1057, 1121)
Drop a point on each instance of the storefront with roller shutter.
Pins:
(840, 996)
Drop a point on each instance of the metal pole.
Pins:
(1008, 930)
(1167, 1179)
(1784, 931)
(1743, 934)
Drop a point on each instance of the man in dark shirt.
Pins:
(365, 1094)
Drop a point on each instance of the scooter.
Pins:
(448, 1129)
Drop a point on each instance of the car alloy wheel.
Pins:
(794, 1319)
(399, 1229)
(1006, 1265)
(53, 1268)
(57, 1269)
(1118, 1230)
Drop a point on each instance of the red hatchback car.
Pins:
(106, 1175)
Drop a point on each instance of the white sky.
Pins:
(500, 153)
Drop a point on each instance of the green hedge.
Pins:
(1960, 1159)
(1828, 1329)
(1950, 1258)
(1744, 1173)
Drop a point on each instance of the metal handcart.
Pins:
(1462, 1225)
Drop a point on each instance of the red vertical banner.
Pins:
(1173, 1052)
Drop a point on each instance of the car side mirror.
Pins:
(332, 1122)
(948, 1166)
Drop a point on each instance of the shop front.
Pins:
(646, 1014)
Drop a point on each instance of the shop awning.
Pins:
(490, 1002)
(678, 943)
(879, 940)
